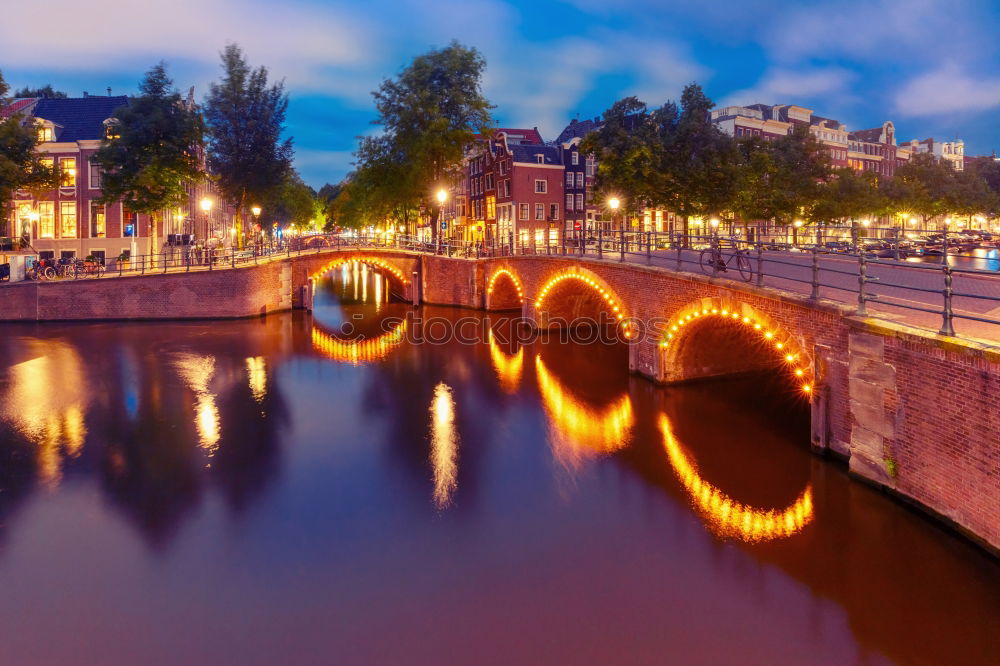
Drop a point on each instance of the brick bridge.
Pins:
(911, 411)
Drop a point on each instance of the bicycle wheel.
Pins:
(744, 266)
(49, 273)
(707, 259)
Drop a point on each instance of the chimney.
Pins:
(85, 94)
(109, 91)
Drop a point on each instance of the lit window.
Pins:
(491, 208)
(67, 218)
(67, 169)
(97, 221)
(539, 211)
(44, 134)
(46, 219)
(541, 186)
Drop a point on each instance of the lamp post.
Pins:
(442, 196)
(795, 231)
(256, 217)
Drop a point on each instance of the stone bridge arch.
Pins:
(504, 291)
(717, 336)
(575, 296)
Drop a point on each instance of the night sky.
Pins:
(930, 67)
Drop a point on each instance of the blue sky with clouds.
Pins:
(929, 66)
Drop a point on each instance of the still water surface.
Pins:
(265, 491)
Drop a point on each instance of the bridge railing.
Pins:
(927, 278)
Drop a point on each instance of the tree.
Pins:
(430, 114)
(697, 161)
(20, 168)
(155, 152)
(925, 186)
(293, 203)
(624, 151)
(245, 116)
(44, 91)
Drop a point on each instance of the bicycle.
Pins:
(713, 261)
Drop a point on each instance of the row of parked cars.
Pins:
(916, 246)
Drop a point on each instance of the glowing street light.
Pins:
(797, 223)
(442, 196)
(206, 204)
(256, 211)
(714, 222)
(614, 203)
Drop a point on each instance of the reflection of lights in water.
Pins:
(378, 291)
(358, 351)
(257, 376)
(197, 371)
(46, 403)
(355, 272)
(444, 445)
(575, 426)
(727, 517)
(364, 283)
(508, 367)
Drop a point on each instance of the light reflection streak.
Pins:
(257, 377)
(509, 368)
(357, 352)
(46, 403)
(444, 445)
(197, 372)
(577, 428)
(725, 516)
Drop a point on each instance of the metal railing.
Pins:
(929, 282)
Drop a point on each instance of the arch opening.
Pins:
(579, 299)
(504, 291)
(357, 270)
(714, 339)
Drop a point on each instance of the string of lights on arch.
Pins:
(357, 352)
(371, 261)
(726, 516)
(513, 278)
(604, 292)
(793, 359)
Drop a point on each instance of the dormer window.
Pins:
(45, 134)
(111, 130)
(540, 158)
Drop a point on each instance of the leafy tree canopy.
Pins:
(156, 151)
(44, 91)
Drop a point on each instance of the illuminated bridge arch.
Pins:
(713, 337)
(573, 295)
(374, 262)
(504, 291)
(727, 517)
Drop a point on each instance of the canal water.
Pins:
(273, 491)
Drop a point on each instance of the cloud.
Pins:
(298, 42)
(783, 86)
(947, 89)
(877, 30)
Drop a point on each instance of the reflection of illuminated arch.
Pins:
(508, 368)
(591, 281)
(500, 273)
(727, 517)
(374, 262)
(356, 352)
(768, 334)
(579, 426)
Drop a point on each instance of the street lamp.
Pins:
(442, 196)
(256, 214)
(795, 232)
